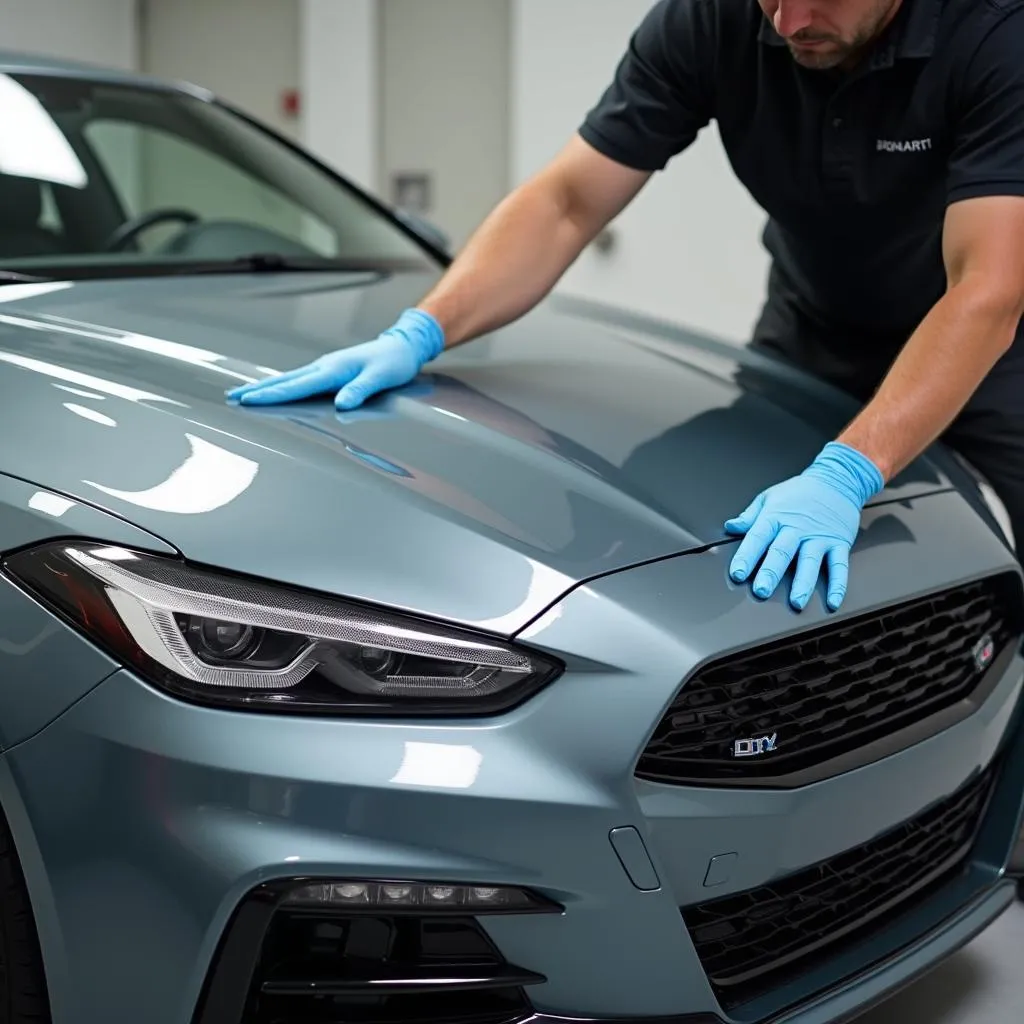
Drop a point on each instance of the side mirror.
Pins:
(425, 229)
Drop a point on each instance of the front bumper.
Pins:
(871, 988)
(144, 850)
(143, 823)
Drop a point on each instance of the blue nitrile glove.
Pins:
(389, 361)
(816, 515)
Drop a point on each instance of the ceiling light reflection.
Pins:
(31, 290)
(439, 765)
(177, 350)
(31, 144)
(210, 478)
(546, 585)
(90, 414)
(51, 504)
(86, 380)
(81, 392)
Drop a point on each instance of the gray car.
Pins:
(442, 711)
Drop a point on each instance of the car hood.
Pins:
(562, 448)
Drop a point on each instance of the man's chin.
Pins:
(818, 57)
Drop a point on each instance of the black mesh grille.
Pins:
(833, 690)
(755, 940)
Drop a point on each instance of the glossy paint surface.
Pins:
(555, 451)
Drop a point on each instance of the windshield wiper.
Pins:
(15, 277)
(253, 263)
(277, 263)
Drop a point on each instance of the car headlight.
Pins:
(227, 641)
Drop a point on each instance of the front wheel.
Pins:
(23, 998)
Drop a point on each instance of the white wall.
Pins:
(444, 105)
(338, 54)
(244, 51)
(688, 248)
(98, 31)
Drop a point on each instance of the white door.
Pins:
(245, 51)
(444, 108)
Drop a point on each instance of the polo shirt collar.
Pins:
(920, 26)
(912, 33)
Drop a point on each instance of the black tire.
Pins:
(23, 996)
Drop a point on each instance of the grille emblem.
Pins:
(756, 747)
(983, 652)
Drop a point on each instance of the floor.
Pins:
(983, 984)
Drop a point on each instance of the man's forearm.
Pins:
(512, 261)
(525, 246)
(934, 376)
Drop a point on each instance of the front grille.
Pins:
(854, 691)
(753, 941)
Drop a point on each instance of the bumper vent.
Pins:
(753, 941)
(279, 965)
(838, 696)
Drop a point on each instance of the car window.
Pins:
(104, 176)
(150, 170)
(49, 215)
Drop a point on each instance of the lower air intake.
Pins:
(280, 964)
(751, 942)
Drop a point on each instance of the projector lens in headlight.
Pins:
(227, 641)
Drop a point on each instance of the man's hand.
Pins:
(356, 373)
(814, 517)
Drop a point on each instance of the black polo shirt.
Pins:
(854, 170)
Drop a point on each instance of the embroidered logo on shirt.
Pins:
(904, 145)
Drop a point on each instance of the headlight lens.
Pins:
(233, 642)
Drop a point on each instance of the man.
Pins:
(885, 141)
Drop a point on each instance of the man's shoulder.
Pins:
(963, 25)
(1000, 6)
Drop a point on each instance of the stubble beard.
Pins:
(844, 52)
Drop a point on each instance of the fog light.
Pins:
(424, 897)
(397, 893)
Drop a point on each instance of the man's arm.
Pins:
(512, 261)
(959, 341)
(528, 242)
(815, 517)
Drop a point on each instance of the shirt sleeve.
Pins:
(661, 95)
(987, 157)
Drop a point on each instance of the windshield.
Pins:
(104, 179)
